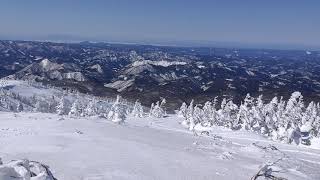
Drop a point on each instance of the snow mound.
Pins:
(25, 170)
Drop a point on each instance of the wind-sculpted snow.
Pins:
(25, 170)
(150, 148)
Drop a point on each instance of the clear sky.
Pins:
(243, 21)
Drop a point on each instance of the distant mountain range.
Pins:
(178, 74)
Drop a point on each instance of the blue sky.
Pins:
(243, 21)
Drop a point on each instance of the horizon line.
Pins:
(178, 43)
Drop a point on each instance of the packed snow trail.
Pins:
(146, 148)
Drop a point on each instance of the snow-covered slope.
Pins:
(22, 96)
(146, 148)
(47, 70)
(28, 89)
(158, 63)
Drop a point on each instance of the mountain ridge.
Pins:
(176, 73)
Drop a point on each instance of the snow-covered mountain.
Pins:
(47, 70)
(177, 74)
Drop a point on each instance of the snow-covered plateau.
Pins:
(48, 133)
(147, 148)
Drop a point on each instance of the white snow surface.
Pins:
(146, 149)
(27, 90)
(158, 63)
(120, 85)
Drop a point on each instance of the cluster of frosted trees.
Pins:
(14, 102)
(158, 109)
(116, 111)
(74, 104)
(289, 121)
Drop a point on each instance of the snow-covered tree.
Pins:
(117, 112)
(19, 107)
(198, 116)
(163, 102)
(41, 105)
(315, 131)
(292, 121)
(211, 112)
(222, 113)
(271, 118)
(90, 109)
(230, 114)
(280, 114)
(61, 107)
(293, 111)
(157, 110)
(223, 103)
(208, 114)
(245, 116)
(190, 109)
(190, 116)
(310, 114)
(259, 116)
(37, 107)
(151, 109)
(183, 110)
(75, 108)
(137, 110)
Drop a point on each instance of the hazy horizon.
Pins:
(267, 24)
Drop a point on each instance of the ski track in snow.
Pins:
(146, 148)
